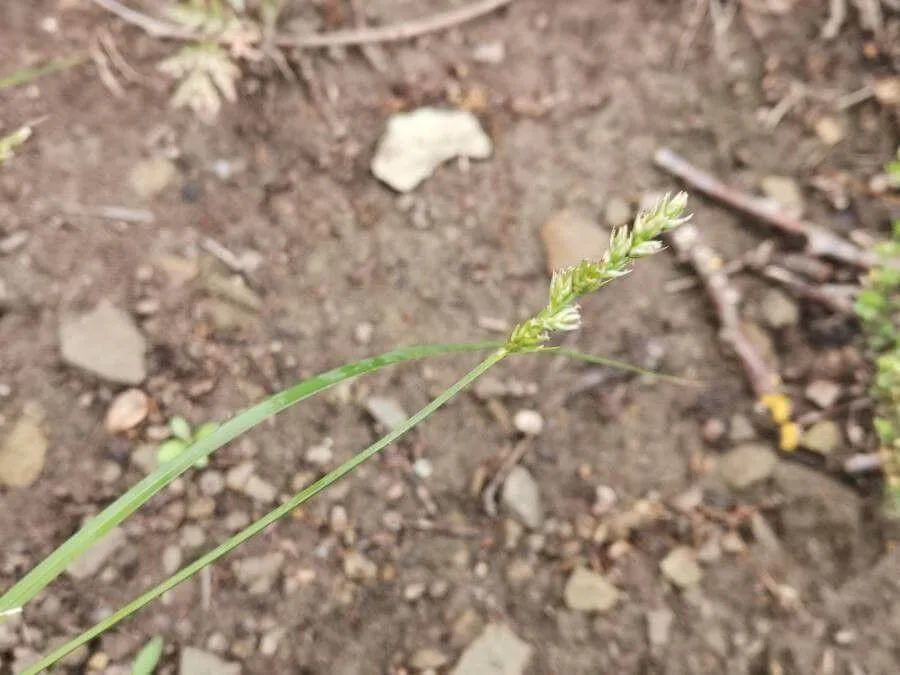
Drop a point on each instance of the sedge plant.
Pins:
(561, 314)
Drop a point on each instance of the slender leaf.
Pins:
(26, 75)
(261, 524)
(148, 658)
(620, 365)
(52, 566)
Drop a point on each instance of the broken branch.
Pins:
(407, 30)
(819, 242)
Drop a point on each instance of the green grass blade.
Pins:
(620, 365)
(148, 658)
(26, 75)
(52, 566)
(261, 524)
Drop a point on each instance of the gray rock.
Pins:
(823, 393)
(150, 177)
(571, 236)
(659, 626)
(588, 591)
(521, 497)
(24, 449)
(681, 568)
(105, 342)
(386, 411)
(747, 464)
(259, 574)
(822, 437)
(91, 561)
(418, 142)
(740, 429)
(778, 310)
(195, 661)
(498, 651)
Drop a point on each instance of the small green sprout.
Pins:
(182, 437)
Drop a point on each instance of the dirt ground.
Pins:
(399, 565)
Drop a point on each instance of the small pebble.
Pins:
(202, 508)
(192, 536)
(338, 519)
(423, 468)
(127, 410)
(659, 625)
(217, 643)
(269, 642)
(363, 332)
(490, 53)
(822, 437)
(386, 411)
(211, 483)
(321, 455)
(260, 490)
(823, 393)
(529, 422)
(605, 499)
(740, 429)
(237, 476)
(392, 521)
(713, 431)
(171, 559)
(414, 591)
(587, 591)
(428, 659)
(110, 472)
(359, 568)
(438, 589)
(830, 130)
(681, 568)
(845, 637)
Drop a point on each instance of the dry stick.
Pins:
(819, 242)
(343, 38)
(686, 243)
(837, 297)
(489, 496)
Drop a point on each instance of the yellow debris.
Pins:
(779, 406)
(789, 436)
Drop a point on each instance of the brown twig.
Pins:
(819, 242)
(398, 32)
(863, 462)
(489, 496)
(686, 243)
(837, 297)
